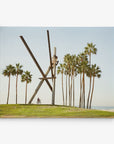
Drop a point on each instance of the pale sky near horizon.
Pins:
(67, 40)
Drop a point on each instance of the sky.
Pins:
(66, 40)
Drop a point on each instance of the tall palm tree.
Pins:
(18, 71)
(96, 72)
(89, 74)
(74, 86)
(67, 61)
(61, 70)
(79, 71)
(90, 49)
(66, 74)
(73, 74)
(10, 70)
(82, 66)
(26, 77)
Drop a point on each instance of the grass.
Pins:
(48, 111)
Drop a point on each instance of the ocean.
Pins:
(103, 107)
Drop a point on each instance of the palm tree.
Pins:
(74, 86)
(79, 71)
(96, 72)
(26, 77)
(73, 74)
(10, 70)
(66, 73)
(67, 61)
(89, 74)
(90, 49)
(61, 70)
(18, 71)
(82, 66)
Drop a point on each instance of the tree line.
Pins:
(81, 65)
(17, 70)
(72, 66)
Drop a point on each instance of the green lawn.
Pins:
(48, 111)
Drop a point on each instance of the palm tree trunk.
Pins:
(69, 89)
(89, 94)
(83, 96)
(16, 87)
(62, 89)
(26, 93)
(80, 91)
(8, 90)
(73, 93)
(90, 59)
(66, 89)
(84, 90)
(90, 84)
(92, 93)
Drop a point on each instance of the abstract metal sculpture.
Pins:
(52, 67)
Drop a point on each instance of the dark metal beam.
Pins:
(50, 52)
(48, 78)
(38, 87)
(53, 90)
(34, 59)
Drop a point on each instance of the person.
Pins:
(54, 60)
(38, 101)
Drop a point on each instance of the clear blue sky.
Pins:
(67, 40)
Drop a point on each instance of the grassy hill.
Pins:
(49, 111)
